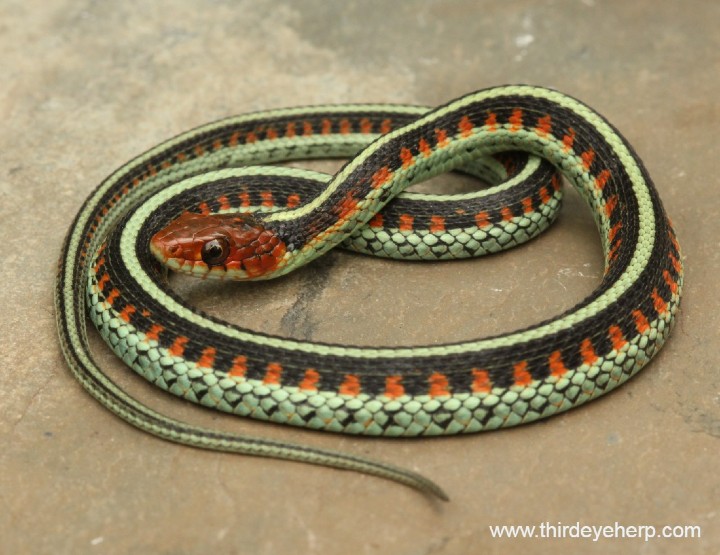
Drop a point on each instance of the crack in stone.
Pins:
(299, 321)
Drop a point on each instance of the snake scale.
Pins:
(201, 203)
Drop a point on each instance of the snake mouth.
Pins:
(160, 253)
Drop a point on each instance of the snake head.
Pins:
(222, 246)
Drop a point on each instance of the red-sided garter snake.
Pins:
(429, 390)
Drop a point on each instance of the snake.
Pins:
(208, 203)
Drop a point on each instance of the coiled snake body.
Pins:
(151, 208)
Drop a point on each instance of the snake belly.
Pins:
(455, 388)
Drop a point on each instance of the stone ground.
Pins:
(86, 85)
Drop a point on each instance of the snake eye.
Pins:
(215, 251)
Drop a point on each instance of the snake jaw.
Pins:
(221, 246)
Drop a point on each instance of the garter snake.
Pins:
(459, 387)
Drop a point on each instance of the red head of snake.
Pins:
(234, 246)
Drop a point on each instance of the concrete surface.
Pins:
(86, 85)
